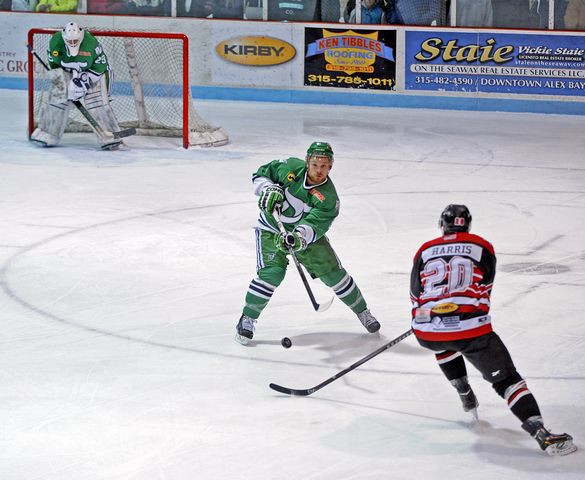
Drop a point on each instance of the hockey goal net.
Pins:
(151, 90)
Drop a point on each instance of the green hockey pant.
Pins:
(319, 259)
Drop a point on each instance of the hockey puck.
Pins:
(286, 343)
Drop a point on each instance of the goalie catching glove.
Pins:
(290, 240)
(271, 196)
(78, 86)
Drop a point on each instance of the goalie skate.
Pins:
(43, 138)
(113, 145)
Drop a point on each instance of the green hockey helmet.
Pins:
(322, 149)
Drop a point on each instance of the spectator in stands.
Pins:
(560, 8)
(519, 13)
(539, 13)
(150, 7)
(107, 6)
(194, 8)
(233, 9)
(294, 10)
(474, 13)
(23, 5)
(350, 7)
(372, 13)
(575, 15)
(57, 6)
(331, 10)
(253, 10)
(416, 12)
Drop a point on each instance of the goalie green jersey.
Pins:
(90, 57)
(311, 208)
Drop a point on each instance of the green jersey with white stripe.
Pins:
(90, 58)
(311, 207)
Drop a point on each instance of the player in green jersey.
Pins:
(78, 71)
(309, 204)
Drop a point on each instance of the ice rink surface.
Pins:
(123, 275)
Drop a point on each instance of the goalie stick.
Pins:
(319, 307)
(308, 391)
(96, 127)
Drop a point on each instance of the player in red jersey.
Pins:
(450, 288)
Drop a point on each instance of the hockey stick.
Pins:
(96, 127)
(319, 307)
(308, 391)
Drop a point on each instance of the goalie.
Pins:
(78, 70)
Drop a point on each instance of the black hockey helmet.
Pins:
(455, 218)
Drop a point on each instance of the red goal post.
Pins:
(151, 90)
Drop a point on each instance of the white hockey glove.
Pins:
(293, 240)
(78, 87)
(270, 197)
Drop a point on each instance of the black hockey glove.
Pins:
(293, 240)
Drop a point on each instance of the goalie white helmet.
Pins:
(72, 36)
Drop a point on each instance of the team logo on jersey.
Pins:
(317, 194)
(291, 177)
(299, 208)
(55, 53)
(445, 308)
(85, 54)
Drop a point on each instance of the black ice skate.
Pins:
(245, 329)
(468, 399)
(552, 443)
(369, 321)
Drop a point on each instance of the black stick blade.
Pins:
(125, 133)
(291, 391)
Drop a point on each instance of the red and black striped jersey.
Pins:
(450, 287)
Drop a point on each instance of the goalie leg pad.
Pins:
(55, 112)
(58, 89)
(52, 123)
(97, 102)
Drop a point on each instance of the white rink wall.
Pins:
(214, 77)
